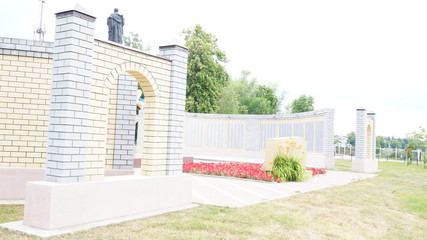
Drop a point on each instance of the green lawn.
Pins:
(390, 206)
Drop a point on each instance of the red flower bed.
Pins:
(317, 171)
(239, 170)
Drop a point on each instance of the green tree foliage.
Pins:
(206, 75)
(351, 138)
(395, 143)
(269, 94)
(132, 40)
(228, 103)
(244, 96)
(417, 140)
(381, 143)
(302, 104)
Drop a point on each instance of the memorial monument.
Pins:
(115, 24)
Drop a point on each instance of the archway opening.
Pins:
(130, 94)
(369, 142)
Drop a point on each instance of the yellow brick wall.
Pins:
(25, 101)
(24, 110)
(153, 74)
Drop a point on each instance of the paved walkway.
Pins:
(231, 192)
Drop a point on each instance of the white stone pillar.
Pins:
(328, 140)
(253, 135)
(360, 134)
(70, 95)
(361, 163)
(178, 55)
(124, 132)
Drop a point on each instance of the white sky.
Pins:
(346, 54)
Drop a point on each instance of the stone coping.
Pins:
(44, 49)
(26, 48)
(269, 117)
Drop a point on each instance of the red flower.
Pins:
(239, 170)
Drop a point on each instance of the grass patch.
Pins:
(10, 213)
(342, 165)
(390, 206)
(415, 203)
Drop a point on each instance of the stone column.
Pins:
(70, 95)
(360, 134)
(178, 84)
(328, 139)
(253, 135)
(124, 136)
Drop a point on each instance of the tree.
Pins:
(302, 104)
(381, 142)
(269, 94)
(417, 139)
(351, 138)
(245, 96)
(395, 143)
(206, 75)
(228, 102)
(132, 40)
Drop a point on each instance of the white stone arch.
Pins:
(151, 91)
(139, 72)
(364, 160)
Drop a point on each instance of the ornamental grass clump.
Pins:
(288, 168)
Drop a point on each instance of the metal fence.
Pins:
(416, 156)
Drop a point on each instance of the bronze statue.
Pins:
(115, 24)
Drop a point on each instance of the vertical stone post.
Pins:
(328, 141)
(178, 84)
(372, 116)
(125, 122)
(360, 153)
(253, 131)
(363, 162)
(70, 95)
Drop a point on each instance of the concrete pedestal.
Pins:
(51, 205)
(12, 181)
(290, 146)
(364, 165)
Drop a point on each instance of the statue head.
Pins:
(116, 10)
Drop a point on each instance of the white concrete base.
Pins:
(318, 160)
(329, 163)
(117, 172)
(19, 225)
(364, 165)
(12, 181)
(52, 205)
(11, 202)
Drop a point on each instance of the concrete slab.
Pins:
(10, 202)
(234, 192)
(19, 225)
(51, 205)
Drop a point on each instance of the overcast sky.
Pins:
(346, 54)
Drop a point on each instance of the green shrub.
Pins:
(424, 160)
(288, 168)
